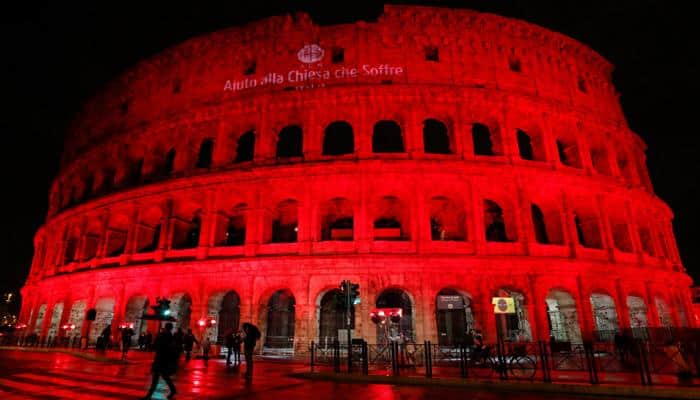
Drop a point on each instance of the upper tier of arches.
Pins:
(241, 142)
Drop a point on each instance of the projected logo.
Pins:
(310, 53)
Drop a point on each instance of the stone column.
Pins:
(165, 229)
(623, 312)
(652, 311)
(586, 310)
(208, 227)
(131, 236)
(606, 231)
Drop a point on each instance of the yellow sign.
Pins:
(503, 305)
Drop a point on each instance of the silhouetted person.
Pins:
(228, 343)
(127, 334)
(206, 347)
(188, 342)
(148, 341)
(252, 334)
(142, 341)
(105, 337)
(179, 337)
(165, 360)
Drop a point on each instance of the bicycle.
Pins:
(518, 364)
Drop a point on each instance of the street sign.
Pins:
(503, 305)
(450, 302)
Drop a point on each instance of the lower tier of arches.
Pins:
(294, 300)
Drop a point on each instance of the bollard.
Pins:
(312, 351)
(365, 360)
(336, 356)
(428, 359)
(394, 358)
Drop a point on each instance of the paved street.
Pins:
(28, 375)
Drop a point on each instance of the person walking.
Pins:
(237, 341)
(179, 338)
(148, 341)
(252, 334)
(165, 361)
(206, 347)
(188, 342)
(228, 342)
(127, 334)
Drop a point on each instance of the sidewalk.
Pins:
(561, 388)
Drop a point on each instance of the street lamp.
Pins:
(207, 322)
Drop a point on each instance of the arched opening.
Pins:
(104, 313)
(186, 224)
(454, 317)
(76, 317)
(285, 224)
(539, 224)
(135, 172)
(108, 175)
(72, 238)
(625, 167)
(181, 310)
(604, 316)
(567, 148)
(116, 232)
(494, 222)
(148, 230)
(485, 142)
(645, 238)
(662, 308)
(620, 233)
(638, 312)
(332, 318)
(515, 327)
(55, 320)
(525, 145)
(245, 147)
(587, 225)
(600, 158)
(338, 139)
(231, 227)
(436, 138)
(395, 298)
(447, 220)
(337, 220)
(91, 238)
(206, 151)
(169, 162)
(289, 142)
(389, 222)
(38, 323)
(563, 317)
(136, 308)
(387, 137)
(280, 320)
(229, 315)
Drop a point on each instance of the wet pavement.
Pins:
(30, 375)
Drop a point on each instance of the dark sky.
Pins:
(55, 56)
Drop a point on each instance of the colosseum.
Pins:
(437, 157)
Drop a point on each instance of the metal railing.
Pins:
(649, 358)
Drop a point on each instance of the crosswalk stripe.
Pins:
(48, 390)
(80, 385)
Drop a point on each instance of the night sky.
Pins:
(53, 57)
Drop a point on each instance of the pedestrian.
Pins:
(148, 341)
(179, 337)
(142, 341)
(237, 341)
(206, 347)
(252, 334)
(165, 360)
(228, 343)
(106, 336)
(127, 334)
(188, 342)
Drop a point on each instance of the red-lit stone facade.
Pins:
(477, 156)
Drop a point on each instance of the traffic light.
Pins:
(162, 308)
(354, 293)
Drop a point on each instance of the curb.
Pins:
(590, 390)
(85, 356)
